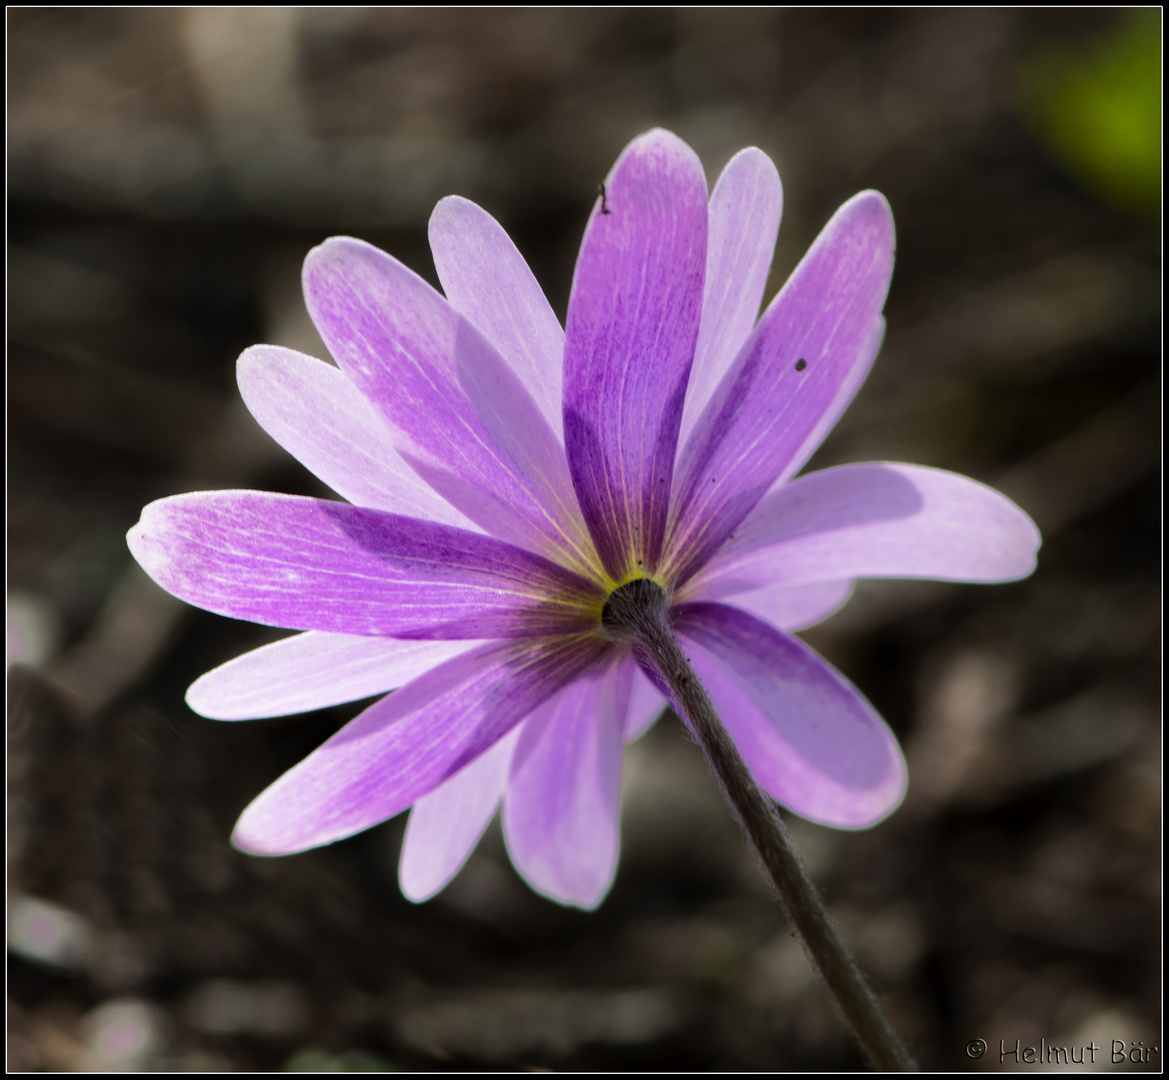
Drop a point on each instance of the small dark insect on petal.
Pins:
(801, 363)
(604, 205)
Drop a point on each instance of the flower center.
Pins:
(631, 606)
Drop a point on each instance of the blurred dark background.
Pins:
(169, 169)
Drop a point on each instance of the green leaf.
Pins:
(1098, 109)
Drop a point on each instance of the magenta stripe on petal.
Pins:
(784, 380)
(311, 564)
(314, 670)
(560, 814)
(807, 735)
(314, 411)
(408, 743)
(462, 418)
(486, 279)
(632, 325)
(745, 208)
(879, 520)
(445, 825)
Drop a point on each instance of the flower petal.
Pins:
(878, 520)
(646, 704)
(745, 209)
(444, 826)
(314, 411)
(311, 564)
(560, 814)
(808, 736)
(632, 325)
(408, 743)
(784, 380)
(788, 607)
(314, 670)
(853, 379)
(461, 417)
(486, 279)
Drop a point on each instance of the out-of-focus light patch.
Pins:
(235, 1007)
(963, 703)
(1098, 109)
(1117, 1029)
(124, 1034)
(889, 941)
(501, 1024)
(313, 1060)
(47, 933)
(778, 974)
(33, 629)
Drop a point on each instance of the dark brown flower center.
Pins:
(630, 605)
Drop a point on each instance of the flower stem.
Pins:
(637, 612)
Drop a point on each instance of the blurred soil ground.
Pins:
(169, 169)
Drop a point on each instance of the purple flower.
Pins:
(505, 476)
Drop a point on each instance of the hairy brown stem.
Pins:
(637, 612)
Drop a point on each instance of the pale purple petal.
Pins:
(632, 325)
(788, 607)
(311, 564)
(785, 379)
(646, 704)
(879, 520)
(486, 279)
(444, 826)
(560, 814)
(461, 417)
(745, 210)
(408, 743)
(314, 670)
(314, 411)
(807, 735)
(853, 379)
